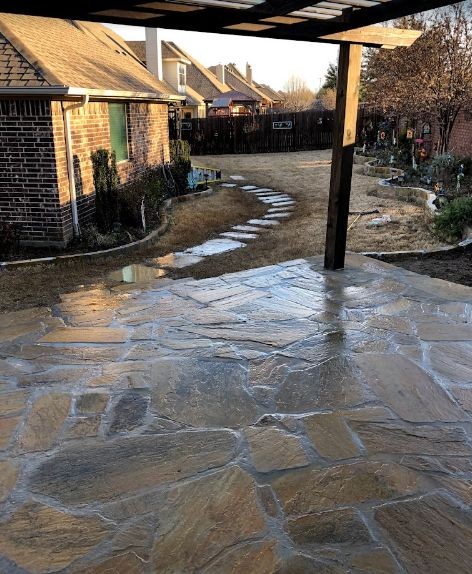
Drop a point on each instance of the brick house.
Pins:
(68, 88)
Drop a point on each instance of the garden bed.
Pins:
(453, 266)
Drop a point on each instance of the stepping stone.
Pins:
(263, 222)
(214, 247)
(276, 215)
(237, 177)
(266, 193)
(249, 228)
(279, 209)
(275, 200)
(228, 185)
(260, 189)
(283, 203)
(235, 235)
(249, 187)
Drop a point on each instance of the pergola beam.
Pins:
(217, 19)
(344, 140)
(376, 36)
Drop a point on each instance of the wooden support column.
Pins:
(345, 124)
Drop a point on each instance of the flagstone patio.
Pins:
(278, 420)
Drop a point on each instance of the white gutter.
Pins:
(99, 94)
(70, 161)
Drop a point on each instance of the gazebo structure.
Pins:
(233, 104)
(345, 22)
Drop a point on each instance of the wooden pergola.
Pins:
(350, 23)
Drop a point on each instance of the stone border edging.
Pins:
(127, 247)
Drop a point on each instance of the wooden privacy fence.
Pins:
(278, 132)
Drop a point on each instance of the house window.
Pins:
(118, 130)
(182, 76)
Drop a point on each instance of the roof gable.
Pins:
(78, 54)
(15, 70)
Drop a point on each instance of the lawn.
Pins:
(305, 176)
(191, 223)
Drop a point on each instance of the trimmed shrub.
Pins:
(9, 236)
(179, 149)
(150, 188)
(106, 182)
(454, 217)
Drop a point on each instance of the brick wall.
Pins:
(34, 184)
(461, 138)
(148, 141)
(29, 192)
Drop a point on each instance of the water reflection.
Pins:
(136, 274)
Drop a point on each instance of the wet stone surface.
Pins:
(280, 420)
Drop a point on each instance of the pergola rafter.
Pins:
(349, 23)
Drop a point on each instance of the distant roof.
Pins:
(236, 80)
(193, 98)
(201, 79)
(46, 52)
(169, 51)
(271, 93)
(228, 98)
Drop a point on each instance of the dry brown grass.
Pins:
(191, 223)
(305, 176)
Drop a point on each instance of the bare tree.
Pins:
(298, 96)
(432, 78)
(326, 98)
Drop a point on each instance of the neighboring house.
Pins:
(230, 75)
(278, 99)
(187, 76)
(68, 88)
(233, 104)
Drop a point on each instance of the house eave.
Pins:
(65, 92)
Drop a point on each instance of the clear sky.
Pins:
(272, 61)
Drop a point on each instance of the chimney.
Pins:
(220, 73)
(249, 74)
(154, 52)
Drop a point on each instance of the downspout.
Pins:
(70, 161)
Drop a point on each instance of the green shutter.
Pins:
(118, 131)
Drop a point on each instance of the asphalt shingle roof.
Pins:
(69, 53)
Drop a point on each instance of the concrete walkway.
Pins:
(278, 420)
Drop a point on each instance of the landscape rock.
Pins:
(44, 422)
(203, 393)
(129, 412)
(42, 539)
(412, 439)
(187, 538)
(91, 403)
(330, 436)
(314, 490)
(407, 389)
(334, 527)
(431, 534)
(8, 476)
(99, 471)
(272, 449)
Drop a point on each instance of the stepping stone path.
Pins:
(280, 206)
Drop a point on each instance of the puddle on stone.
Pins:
(136, 274)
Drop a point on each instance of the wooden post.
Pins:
(345, 124)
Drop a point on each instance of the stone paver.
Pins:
(280, 420)
(240, 236)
